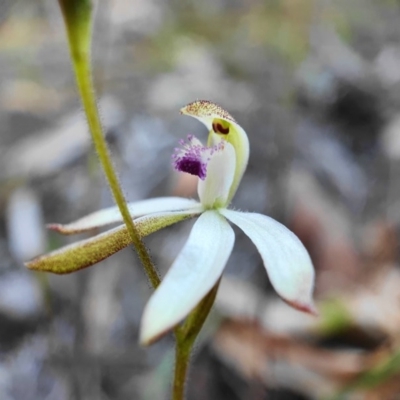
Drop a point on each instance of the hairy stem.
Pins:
(182, 358)
(186, 336)
(77, 16)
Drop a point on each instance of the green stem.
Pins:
(77, 16)
(182, 357)
(186, 336)
(195, 321)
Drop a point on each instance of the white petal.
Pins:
(288, 264)
(112, 215)
(90, 251)
(214, 190)
(194, 272)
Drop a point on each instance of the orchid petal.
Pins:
(87, 252)
(194, 272)
(286, 260)
(221, 124)
(112, 215)
(214, 189)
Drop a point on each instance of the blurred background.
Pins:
(316, 84)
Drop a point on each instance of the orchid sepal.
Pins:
(285, 258)
(192, 275)
(111, 215)
(85, 253)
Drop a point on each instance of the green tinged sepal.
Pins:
(87, 252)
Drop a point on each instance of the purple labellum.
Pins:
(193, 157)
(191, 166)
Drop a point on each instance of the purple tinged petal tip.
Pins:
(286, 260)
(307, 308)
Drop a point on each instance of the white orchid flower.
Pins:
(198, 267)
